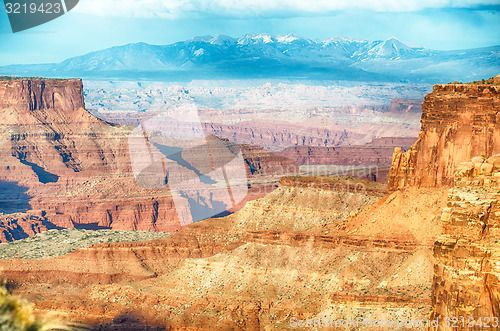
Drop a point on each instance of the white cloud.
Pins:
(252, 8)
(136, 8)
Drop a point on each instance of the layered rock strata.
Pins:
(459, 121)
(376, 153)
(251, 270)
(59, 160)
(466, 282)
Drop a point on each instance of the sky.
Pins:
(98, 24)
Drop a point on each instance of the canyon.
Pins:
(249, 270)
(63, 167)
(423, 246)
(269, 114)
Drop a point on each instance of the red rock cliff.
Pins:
(34, 94)
(71, 168)
(467, 256)
(459, 121)
(60, 166)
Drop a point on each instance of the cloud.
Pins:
(260, 8)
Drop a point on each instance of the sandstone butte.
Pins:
(459, 145)
(459, 121)
(312, 248)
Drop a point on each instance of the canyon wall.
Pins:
(59, 161)
(37, 94)
(72, 169)
(378, 152)
(459, 121)
(467, 256)
(399, 105)
(45, 126)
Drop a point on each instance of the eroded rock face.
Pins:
(405, 105)
(34, 94)
(256, 268)
(20, 225)
(46, 128)
(378, 152)
(467, 256)
(459, 121)
(57, 158)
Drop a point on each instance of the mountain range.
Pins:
(275, 56)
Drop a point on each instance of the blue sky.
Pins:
(98, 24)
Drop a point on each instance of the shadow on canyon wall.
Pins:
(91, 226)
(13, 198)
(43, 176)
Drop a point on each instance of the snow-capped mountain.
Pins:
(275, 56)
(390, 49)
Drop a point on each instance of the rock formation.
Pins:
(459, 121)
(254, 269)
(399, 105)
(59, 160)
(315, 247)
(467, 256)
(276, 129)
(21, 225)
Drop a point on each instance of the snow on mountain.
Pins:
(266, 55)
(286, 39)
(222, 40)
(391, 49)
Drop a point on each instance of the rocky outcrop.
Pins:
(459, 121)
(467, 256)
(46, 128)
(399, 105)
(21, 225)
(370, 161)
(59, 159)
(302, 203)
(37, 94)
(278, 135)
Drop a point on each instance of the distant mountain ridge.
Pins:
(275, 56)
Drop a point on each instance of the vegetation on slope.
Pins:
(54, 243)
